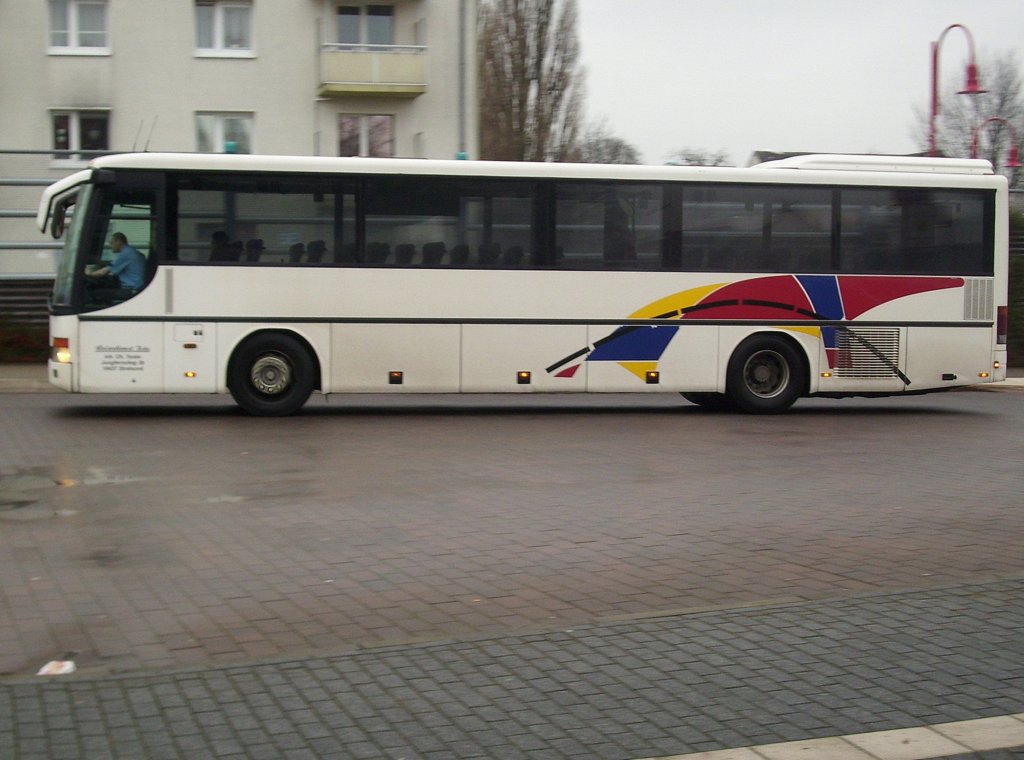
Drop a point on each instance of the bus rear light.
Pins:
(996, 365)
(60, 350)
(1002, 321)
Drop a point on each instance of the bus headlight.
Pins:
(60, 350)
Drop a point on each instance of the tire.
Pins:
(766, 374)
(271, 375)
(713, 402)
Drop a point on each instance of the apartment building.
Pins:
(293, 77)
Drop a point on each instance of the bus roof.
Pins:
(909, 164)
(318, 164)
(821, 168)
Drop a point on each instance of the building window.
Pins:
(79, 26)
(223, 28)
(372, 136)
(366, 25)
(224, 133)
(75, 131)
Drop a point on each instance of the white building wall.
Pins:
(154, 83)
(426, 126)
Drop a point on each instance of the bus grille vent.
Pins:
(978, 299)
(867, 352)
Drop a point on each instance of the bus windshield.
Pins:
(63, 285)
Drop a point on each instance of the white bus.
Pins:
(274, 277)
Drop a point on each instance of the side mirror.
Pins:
(57, 221)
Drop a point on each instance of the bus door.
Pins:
(119, 352)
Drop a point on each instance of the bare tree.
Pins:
(698, 157)
(962, 117)
(599, 146)
(531, 87)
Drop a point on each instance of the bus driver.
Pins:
(128, 266)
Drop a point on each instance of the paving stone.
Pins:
(826, 662)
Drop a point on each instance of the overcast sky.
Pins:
(785, 75)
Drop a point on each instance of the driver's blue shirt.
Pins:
(130, 267)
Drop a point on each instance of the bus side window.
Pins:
(801, 230)
(445, 222)
(606, 226)
(133, 218)
(219, 215)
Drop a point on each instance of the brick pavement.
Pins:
(188, 533)
(642, 688)
(538, 556)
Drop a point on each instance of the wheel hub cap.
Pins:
(271, 374)
(767, 374)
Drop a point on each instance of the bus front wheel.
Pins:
(766, 374)
(271, 375)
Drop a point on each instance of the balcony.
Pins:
(389, 70)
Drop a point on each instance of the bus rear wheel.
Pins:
(766, 374)
(271, 375)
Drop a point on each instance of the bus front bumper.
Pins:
(59, 374)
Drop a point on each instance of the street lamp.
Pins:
(972, 87)
(1012, 156)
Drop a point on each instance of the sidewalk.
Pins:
(922, 673)
(25, 378)
(759, 681)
